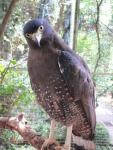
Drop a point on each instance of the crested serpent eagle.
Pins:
(61, 81)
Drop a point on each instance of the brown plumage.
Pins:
(60, 79)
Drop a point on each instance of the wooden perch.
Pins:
(20, 125)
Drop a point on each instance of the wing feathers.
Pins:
(77, 76)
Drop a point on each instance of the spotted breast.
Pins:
(54, 95)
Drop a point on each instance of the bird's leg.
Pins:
(52, 129)
(50, 142)
(67, 145)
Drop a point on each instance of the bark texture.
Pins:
(19, 124)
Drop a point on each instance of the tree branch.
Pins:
(107, 28)
(100, 3)
(7, 16)
(98, 36)
(76, 22)
(19, 124)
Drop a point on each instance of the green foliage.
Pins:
(102, 136)
(5, 141)
(101, 132)
(15, 92)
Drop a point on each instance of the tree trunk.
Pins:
(7, 16)
(74, 23)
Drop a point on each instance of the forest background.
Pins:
(87, 27)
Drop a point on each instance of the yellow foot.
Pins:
(50, 144)
(65, 147)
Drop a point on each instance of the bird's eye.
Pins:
(27, 35)
(41, 28)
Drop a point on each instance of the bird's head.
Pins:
(38, 33)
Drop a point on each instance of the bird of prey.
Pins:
(61, 81)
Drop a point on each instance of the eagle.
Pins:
(61, 80)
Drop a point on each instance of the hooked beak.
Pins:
(37, 37)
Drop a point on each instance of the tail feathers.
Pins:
(85, 144)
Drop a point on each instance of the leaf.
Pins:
(1, 68)
(13, 62)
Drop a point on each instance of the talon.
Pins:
(50, 144)
(65, 147)
(58, 148)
